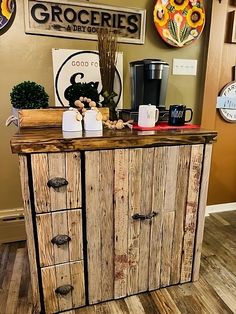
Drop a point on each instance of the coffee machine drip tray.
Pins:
(129, 114)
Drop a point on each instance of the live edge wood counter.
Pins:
(113, 214)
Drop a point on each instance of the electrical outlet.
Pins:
(184, 67)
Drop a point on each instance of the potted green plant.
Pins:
(27, 95)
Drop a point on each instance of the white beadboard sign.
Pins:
(83, 20)
(68, 62)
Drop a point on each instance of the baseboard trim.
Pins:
(12, 225)
(220, 208)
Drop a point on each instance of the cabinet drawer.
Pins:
(63, 286)
(56, 181)
(60, 238)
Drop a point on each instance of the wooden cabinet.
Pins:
(108, 218)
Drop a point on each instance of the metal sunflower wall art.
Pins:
(7, 12)
(179, 22)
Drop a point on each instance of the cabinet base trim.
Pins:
(12, 225)
(217, 208)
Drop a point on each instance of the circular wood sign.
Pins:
(7, 10)
(229, 91)
(179, 22)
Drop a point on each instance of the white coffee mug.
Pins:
(147, 115)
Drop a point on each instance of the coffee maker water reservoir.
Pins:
(149, 83)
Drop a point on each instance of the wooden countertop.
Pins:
(54, 140)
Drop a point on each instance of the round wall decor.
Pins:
(7, 12)
(229, 90)
(179, 22)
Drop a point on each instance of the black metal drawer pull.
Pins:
(57, 182)
(64, 290)
(60, 239)
(144, 217)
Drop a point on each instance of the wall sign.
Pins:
(82, 20)
(67, 63)
(228, 112)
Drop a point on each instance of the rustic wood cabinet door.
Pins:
(141, 214)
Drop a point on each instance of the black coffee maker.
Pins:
(148, 86)
(149, 83)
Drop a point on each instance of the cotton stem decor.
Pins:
(107, 48)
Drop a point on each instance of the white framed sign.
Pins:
(83, 65)
(83, 20)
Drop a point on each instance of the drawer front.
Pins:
(56, 181)
(63, 287)
(60, 238)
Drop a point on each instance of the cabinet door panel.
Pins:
(46, 167)
(147, 253)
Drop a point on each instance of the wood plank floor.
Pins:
(215, 292)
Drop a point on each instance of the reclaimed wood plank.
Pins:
(121, 165)
(93, 221)
(77, 281)
(201, 210)
(59, 222)
(63, 277)
(23, 167)
(56, 166)
(180, 206)
(106, 187)
(191, 212)
(171, 177)
(158, 201)
(40, 174)
(75, 232)
(146, 209)
(49, 283)
(166, 251)
(45, 235)
(135, 160)
(73, 176)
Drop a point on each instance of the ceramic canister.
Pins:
(70, 121)
(91, 122)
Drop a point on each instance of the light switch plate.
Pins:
(184, 67)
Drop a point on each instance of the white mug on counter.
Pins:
(147, 116)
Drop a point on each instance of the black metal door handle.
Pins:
(57, 182)
(144, 217)
(60, 239)
(64, 290)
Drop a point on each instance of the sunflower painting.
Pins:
(179, 22)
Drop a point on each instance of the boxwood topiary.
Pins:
(29, 95)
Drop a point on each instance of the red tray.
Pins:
(165, 126)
